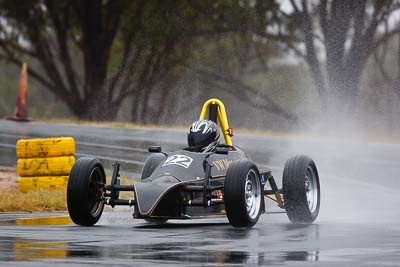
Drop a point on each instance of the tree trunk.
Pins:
(311, 56)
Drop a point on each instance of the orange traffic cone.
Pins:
(21, 111)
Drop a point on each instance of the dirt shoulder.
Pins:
(8, 177)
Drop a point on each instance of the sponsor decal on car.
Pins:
(181, 160)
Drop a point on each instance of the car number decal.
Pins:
(181, 160)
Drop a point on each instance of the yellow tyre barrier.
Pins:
(42, 182)
(45, 166)
(47, 147)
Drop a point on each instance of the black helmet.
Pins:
(203, 135)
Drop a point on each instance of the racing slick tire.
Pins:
(152, 162)
(85, 190)
(301, 189)
(242, 194)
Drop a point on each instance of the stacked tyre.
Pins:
(44, 163)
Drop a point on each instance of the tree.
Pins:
(242, 53)
(160, 42)
(71, 41)
(343, 35)
(391, 75)
(95, 54)
(187, 24)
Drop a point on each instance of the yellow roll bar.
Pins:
(222, 118)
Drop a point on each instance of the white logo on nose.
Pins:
(181, 160)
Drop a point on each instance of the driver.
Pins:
(203, 136)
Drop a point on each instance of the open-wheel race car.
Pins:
(203, 180)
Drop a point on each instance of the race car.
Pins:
(205, 179)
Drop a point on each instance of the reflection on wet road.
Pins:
(182, 253)
(202, 242)
(358, 222)
(180, 243)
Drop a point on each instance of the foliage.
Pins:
(147, 58)
(96, 54)
(347, 33)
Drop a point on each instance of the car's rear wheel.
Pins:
(85, 191)
(301, 189)
(242, 194)
(152, 162)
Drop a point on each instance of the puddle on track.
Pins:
(276, 244)
(25, 250)
(19, 249)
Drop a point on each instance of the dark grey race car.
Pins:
(197, 183)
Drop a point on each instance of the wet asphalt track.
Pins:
(358, 223)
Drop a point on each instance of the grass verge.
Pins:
(11, 200)
(41, 200)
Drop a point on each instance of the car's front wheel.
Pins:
(242, 194)
(85, 191)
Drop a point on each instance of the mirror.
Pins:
(154, 149)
